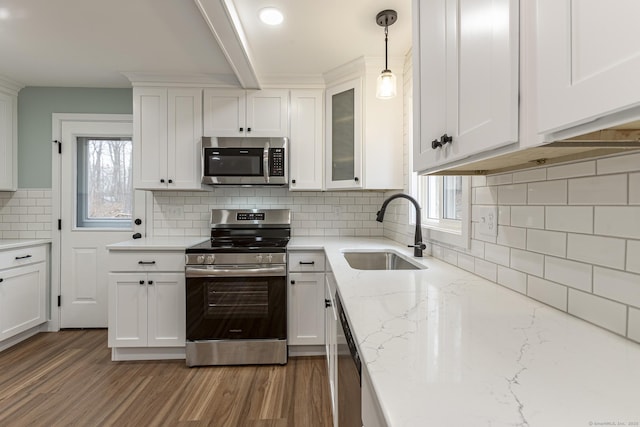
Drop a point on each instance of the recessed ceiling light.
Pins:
(271, 16)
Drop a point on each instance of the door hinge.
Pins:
(59, 224)
(55, 141)
(59, 300)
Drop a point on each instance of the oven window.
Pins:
(246, 300)
(234, 162)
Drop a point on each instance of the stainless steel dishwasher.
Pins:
(349, 370)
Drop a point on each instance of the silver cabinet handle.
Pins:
(265, 162)
(235, 272)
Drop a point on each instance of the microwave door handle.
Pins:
(265, 162)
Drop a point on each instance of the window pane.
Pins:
(452, 197)
(433, 209)
(105, 182)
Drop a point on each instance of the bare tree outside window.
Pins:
(105, 182)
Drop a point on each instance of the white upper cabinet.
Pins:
(465, 60)
(364, 134)
(306, 142)
(236, 112)
(167, 128)
(8, 140)
(588, 60)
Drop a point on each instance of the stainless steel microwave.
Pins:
(245, 161)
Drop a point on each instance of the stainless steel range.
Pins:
(236, 289)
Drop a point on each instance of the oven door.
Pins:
(236, 302)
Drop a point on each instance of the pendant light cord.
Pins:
(386, 39)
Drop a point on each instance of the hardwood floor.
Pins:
(68, 378)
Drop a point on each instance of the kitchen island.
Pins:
(444, 347)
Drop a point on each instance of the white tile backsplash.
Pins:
(617, 164)
(599, 190)
(547, 242)
(576, 219)
(634, 189)
(25, 214)
(633, 256)
(574, 274)
(547, 292)
(571, 170)
(605, 251)
(512, 236)
(617, 285)
(530, 175)
(621, 221)
(512, 194)
(602, 312)
(527, 262)
(547, 193)
(633, 330)
(512, 279)
(527, 216)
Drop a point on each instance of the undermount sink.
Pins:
(379, 260)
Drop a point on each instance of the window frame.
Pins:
(450, 232)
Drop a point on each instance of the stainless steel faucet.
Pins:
(418, 246)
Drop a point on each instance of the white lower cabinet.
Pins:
(306, 299)
(23, 290)
(146, 306)
(331, 344)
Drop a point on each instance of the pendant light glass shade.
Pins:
(386, 85)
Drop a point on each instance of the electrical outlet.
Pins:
(173, 211)
(488, 221)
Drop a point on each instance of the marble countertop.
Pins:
(21, 243)
(169, 243)
(444, 347)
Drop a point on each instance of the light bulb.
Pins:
(386, 85)
(271, 16)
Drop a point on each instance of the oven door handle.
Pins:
(279, 270)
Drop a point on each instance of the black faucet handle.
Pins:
(418, 245)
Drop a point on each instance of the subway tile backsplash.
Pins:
(346, 213)
(25, 214)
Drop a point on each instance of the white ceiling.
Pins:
(82, 43)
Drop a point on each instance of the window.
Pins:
(104, 182)
(445, 208)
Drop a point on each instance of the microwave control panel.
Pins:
(276, 162)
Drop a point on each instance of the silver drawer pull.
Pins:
(23, 257)
(146, 262)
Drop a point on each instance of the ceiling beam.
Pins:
(224, 23)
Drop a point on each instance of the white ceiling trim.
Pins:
(181, 80)
(10, 85)
(224, 23)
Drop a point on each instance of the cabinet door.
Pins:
(268, 113)
(224, 112)
(184, 138)
(588, 60)
(331, 325)
(306, 309)
(8, 142)
(22, 298)
(150, 138)
(306, 144)
(166, 310)
(465, 78)
(344, 135)
(127, 310)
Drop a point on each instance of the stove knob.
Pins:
(210, 259)
(259, 258)
(200, 259)
(269, 258)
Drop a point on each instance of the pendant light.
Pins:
(386, 83)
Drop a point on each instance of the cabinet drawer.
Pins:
(306, 261)
(22, 256)
(146, 261)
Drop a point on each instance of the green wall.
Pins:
(35, 106)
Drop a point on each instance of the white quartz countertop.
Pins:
(21, 243)
(444, 347)
(157, 243)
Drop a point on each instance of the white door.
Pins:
(97, 208)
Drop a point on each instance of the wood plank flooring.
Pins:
(68, 378)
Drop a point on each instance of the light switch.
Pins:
(488, 221)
